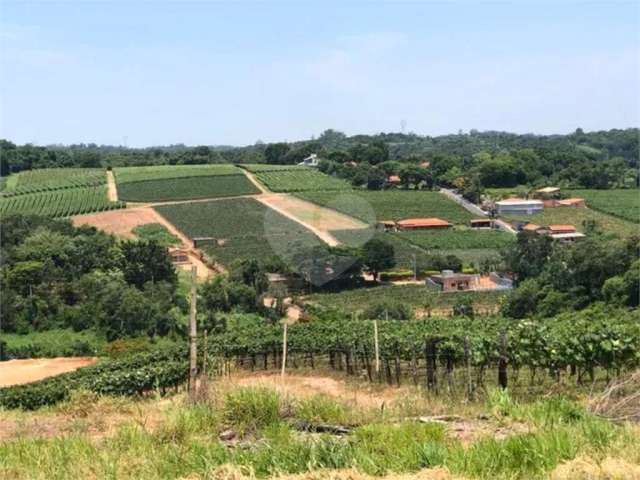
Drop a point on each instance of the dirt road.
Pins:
(112, 190)
(18, 372)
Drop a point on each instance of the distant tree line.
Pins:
(466, 161)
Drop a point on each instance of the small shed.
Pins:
(178, 255)
(393, 179)
(388, 225)
(453, 282)
(532, 227)
(482, 223)
(555, 229)
(422, 224)
(572, 202)
(567, 237)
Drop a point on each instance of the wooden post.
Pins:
(376, 345)
(467, 358)
(502, 363)
(284, 350)
(193, 348)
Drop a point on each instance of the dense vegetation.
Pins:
(54, 275)
(391, 205)
(47, 179)
(137, 174)
(59, 203)
(186, 188)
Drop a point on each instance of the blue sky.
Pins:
(236, 72)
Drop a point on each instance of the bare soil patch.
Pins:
(112, 190)
(318, 219)
(18, 372)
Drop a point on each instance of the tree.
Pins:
(377, 256)
(146, 261)
(375, 179)
(275, 153)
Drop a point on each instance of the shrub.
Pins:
(249, 408)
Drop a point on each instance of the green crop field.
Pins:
(241, 228)
(299, 179)
(620, 203)
(265, 167)
(47, 179)
(393, 205)
(186, 188)
(577, 217)
(59, 203)
(161, 172)
(459, 239)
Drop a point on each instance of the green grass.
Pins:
(577, 217)
(360, 299)
(163, 172)
(299, 179)
(186, 188)
(459, 239)
(156, 232)
(53, 343)
(392, 205)
(620, 203)
(46, 179)
(243, 228)
(59, 203)
(186, 445)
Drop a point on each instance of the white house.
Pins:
(310, 161)
(519, 206)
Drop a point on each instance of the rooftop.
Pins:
(562, 228)
(423, 222)
(519, 201)
(548, 190)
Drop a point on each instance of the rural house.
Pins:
(310, 161)
(482, 223)
(519, 206)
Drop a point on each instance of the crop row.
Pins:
(60, 203)
(163, 172)
(300, 179)
(47, 179)
(133, 375)
(457, 239)
(623, 203)
(186, 188)
(370, 206)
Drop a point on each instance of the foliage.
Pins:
(249, 409)
(299, 179)
(458, 239)
(130, 375)
(158, 233)
(53, 343)
(48, 179)
(377, 256)
(165, 172)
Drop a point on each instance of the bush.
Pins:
(389, 310)
(249, 409)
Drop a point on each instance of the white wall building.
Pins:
(518, 206)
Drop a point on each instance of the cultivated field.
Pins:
(62, 202)
(458, 239)
(298, 179)
(578, 217)
(241, 228)
(392, 205)
(186, 188)
(46, 179)
(620, 203)
(162, 172)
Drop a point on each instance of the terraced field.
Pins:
(240, 228)
(298, 179)
(392, 205)
(59, 203)
(622, 203)
(47, 179)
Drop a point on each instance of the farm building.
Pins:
(178, 255)
(310, 161)
(568, 237)
(532, 227)
(482, 223)
(571, 202)
(547, 193)
(388, 225)
(519, 206)
(554, 229)
(449, 281)
(422, 224)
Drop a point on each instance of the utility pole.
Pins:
(376, 345)
(193, 348)
(284, 350)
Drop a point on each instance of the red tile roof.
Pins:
(532, 227)
(394, 179)
(562, 228)
(423, 222)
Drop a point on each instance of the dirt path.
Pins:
(112, 190)
(252, 178)
(122, 223)
(18, 372)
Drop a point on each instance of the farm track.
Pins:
(255, 181)
(112, 189)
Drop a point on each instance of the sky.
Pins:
(232, 73)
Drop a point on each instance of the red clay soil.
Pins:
(18, 372)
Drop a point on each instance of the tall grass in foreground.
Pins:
(187, 445)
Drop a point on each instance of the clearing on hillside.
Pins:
(239, 228)
(393, 205)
